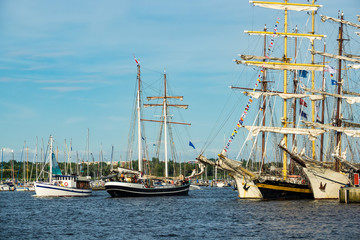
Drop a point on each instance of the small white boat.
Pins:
(22, 189)
(62, 185)
(4, 187)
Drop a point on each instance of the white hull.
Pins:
(194, 187)
(325, 183)
(4, 188)
(50, 190)
(247, 188)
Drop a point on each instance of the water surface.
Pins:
(210, 213)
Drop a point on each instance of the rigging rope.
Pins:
(259, 79)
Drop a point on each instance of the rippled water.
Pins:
(210, 213)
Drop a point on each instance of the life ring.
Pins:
(65, 184)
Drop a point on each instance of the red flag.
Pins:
(302, 102)
(136, 61)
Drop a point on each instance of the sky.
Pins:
(67, 68)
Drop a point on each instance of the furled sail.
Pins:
(348, 132)
(286, 6)
(354, 66)
(352, 55)
(351, 124)
(324, 18)
(349, 100)
(284, 95)
(312, 133)
(283, 66)
(250, 57)
(334, 56)
(306, 35)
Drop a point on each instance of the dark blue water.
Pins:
(210, 213)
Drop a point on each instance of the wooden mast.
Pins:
(339, 84)
(292, 164)
(140, 162)
(285, 91)
(313, 75)
(165, 105)
(165, 127)
(264, 83)
(322, 111)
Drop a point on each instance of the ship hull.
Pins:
(124, 189)
(247, 188)
(325, 183)
(50, 190)
(279, 190)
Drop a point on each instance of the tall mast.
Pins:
(322, 111)
(165, 105)
(263, 109)
(88, 152)
(140, 168)
(339, 84)
(165, 127)
(313, 75)
(285, 91)
(50, 158)
(292, 164)
(36, 159)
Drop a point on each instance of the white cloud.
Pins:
(66, 89)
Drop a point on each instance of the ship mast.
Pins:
(50, 158)
(264, 82)
(339, 84)
(165, 129)
(292, 164)
(322, 110)
(165, 106)
(285, 91)
(313, 75)
(140, 162)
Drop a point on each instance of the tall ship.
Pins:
(301, 177)
(327, 173)
(140, 183)
(59, 185)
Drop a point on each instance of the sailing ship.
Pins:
(130, 183)
(327, 177)
(270, 186)
(61, 185)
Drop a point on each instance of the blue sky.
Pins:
(68, 66)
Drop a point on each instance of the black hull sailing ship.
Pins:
(282, 190)
(121, 189)
(130, 183)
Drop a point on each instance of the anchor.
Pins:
(246, 187)
(322, 187)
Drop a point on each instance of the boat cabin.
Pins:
(71, 181)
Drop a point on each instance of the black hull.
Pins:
(125, 191)
(278, 190)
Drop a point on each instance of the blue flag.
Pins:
(303, 73)
(334, 82)
(303, 114)
(191, 144)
